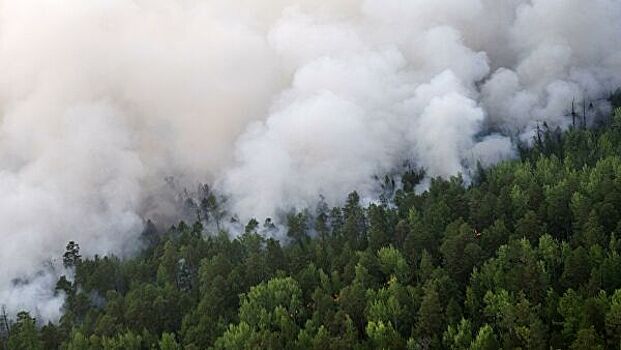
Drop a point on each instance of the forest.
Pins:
(527, 255)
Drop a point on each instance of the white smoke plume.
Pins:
(274, 101)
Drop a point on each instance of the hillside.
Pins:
(527, 256)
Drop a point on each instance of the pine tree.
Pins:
(72, 256)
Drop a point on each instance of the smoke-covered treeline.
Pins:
(527, 256)
(273, 102)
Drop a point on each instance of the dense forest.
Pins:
(526, 255)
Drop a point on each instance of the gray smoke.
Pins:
(276, 102)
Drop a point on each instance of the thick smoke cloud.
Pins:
(276, 102)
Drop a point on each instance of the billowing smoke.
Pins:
(276, 102)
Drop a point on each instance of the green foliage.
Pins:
(587, 339)
(525, 256)
(168, 342)
(24, 334)
(485, 340)
(392, 263)
(458, 337)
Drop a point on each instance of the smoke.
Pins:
(423, 80)
(276, 102)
